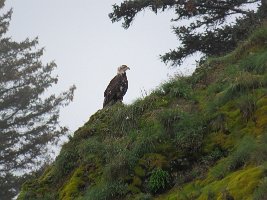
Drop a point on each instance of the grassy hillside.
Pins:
(198, 137)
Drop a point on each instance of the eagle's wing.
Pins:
(113, 86)
(112, 90)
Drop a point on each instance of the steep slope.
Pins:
(197, 137)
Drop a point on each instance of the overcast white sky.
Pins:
(88, 48)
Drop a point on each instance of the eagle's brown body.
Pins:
(116, 89)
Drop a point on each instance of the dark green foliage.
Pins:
(10, 185)
(29, 118)
(217, 38)
(159, 180)
(215, 41)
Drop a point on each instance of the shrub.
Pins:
(159, 180)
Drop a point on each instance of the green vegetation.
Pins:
(199, 137)
(218, 35)
(29, 109)
(158, 180)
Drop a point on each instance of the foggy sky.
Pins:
(88, 48)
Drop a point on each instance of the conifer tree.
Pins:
(29, 117)
(207, 30)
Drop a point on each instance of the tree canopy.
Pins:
(29, 116)
(207, 30)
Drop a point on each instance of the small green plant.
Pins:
(159, 180)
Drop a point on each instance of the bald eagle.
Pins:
(117, 87)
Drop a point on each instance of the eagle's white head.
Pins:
(122, 69)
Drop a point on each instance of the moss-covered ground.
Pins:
(198, 137)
